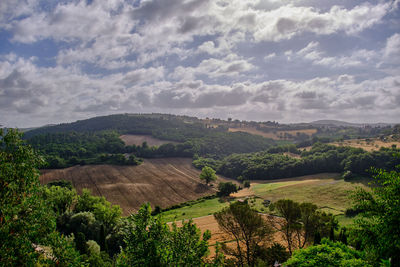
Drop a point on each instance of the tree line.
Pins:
(105, 147)
(62, 150)
(321, 158)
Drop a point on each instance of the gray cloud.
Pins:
(254, 60)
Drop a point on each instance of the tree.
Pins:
(225, 189)
(328, 253)
(301, 223)
(378, 225)
(61, 198)
(26, 219)
(150, 242)
(208, 174)
(289, 224)
(249, 230)
(272, 254)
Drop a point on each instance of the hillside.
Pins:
(348, 124)
(162, 182)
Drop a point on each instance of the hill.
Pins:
(187, 136)
(348, 124)
(162, 182)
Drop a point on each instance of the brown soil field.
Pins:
(371, 145)
(130, 139)
(272, 135)
(162, 182)
(217, 235)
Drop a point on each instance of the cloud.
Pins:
(289, 21)
(313, 53)
(392, 49)
(287, 60)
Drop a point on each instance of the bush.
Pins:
(225, 189)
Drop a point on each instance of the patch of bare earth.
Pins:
(217, 235)
(130, 139)
(162, 182)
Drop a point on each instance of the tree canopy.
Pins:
(328, 253)
(26, 220)
(379, 219)
(249, 230)
(208, 174)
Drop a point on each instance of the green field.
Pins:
(327, 191)
(203, 208)
(329, 194)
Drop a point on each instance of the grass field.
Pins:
(204, 208)
(326, 190)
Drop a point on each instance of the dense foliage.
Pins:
(328, 253)
(149, 242)
(321, 158)
(67, 149)
(27, 223)
(377, 227)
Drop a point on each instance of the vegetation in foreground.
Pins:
(55, 227)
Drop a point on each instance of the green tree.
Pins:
(275, 253)
(208, 174)
(249, 230)
(61, 198)
(329, 254)
(301, 223)
(378, 225)
(290, 222)
(26, 219)
(150, 242)
(225, 189)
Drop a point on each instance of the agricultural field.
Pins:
(131, 139)
(217, 235)
(276, 135)
(368, 144)
(162, 182)
(326, 190)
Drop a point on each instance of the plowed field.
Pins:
(162, 182)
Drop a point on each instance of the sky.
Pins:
(270, 60)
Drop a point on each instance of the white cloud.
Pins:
(199, 56)
(312, 52)
(289, 21)
(392, 49)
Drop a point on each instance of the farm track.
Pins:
(162, 182)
